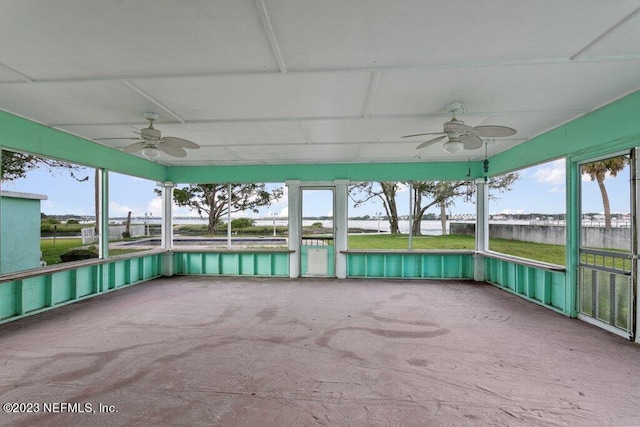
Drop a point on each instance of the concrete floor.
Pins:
(265, 352)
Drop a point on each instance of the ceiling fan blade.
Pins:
(171, 150)
(431, 141)
(471, 142)
(135, 147)
(491, 131)
(422, 134)
(125, 137)
(179, 142)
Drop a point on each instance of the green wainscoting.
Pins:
(544, 285)
(41, 290)
(410, 265)
(232, 263)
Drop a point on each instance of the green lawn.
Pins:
(51, 252)
(554, 254)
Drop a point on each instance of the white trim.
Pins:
(595, 322)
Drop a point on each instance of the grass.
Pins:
(401, 241)
(51, 252)
(554, 254)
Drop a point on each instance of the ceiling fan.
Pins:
(151, 144)
(461, 136)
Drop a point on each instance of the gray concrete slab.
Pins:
(267, 352)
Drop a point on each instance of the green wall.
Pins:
(410, 264)
(20, 134)
(232, 263)
(544, 286)
(421, 171)
(37, 292)
(614, 127)
(20, 240)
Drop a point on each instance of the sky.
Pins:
(540, 189)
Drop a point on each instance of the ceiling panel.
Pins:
(305, 81)
(367, 130)
(247, 97)
(75, 102)
(338, 34)
(401, 152)
(544, 87)
(206, 134)
(204, 156)
(624, 41)
(83, 39)
(234, 134)
(304, 153)
(529, 125)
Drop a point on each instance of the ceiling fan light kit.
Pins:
(453, 146)
(150, 152)
(461, 136)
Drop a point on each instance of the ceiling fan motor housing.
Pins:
(150, 133)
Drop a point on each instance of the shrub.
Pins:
(242, 223)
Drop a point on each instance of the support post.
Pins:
(295, 227)
(229, 188)
(102, 222)
(103, 213)
(572, 236)
(167, 227)
(411, 199)
(482, 229)
(635, 226)
(341, 218)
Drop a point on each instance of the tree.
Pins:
(363, 192)
(444, 193)
(212, 200)
(17, 165)
(426, 195)
(436, 193)
(597, 171)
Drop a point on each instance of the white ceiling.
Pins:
(300, 81)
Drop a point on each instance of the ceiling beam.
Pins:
(606, 34)
(371, 94)
(271, 36)
(453, 65)
(18, 74)
(153, 100)
(341, 118)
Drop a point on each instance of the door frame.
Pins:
(304, 249)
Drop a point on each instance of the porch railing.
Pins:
(605, 289)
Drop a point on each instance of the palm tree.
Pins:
(598, 172)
